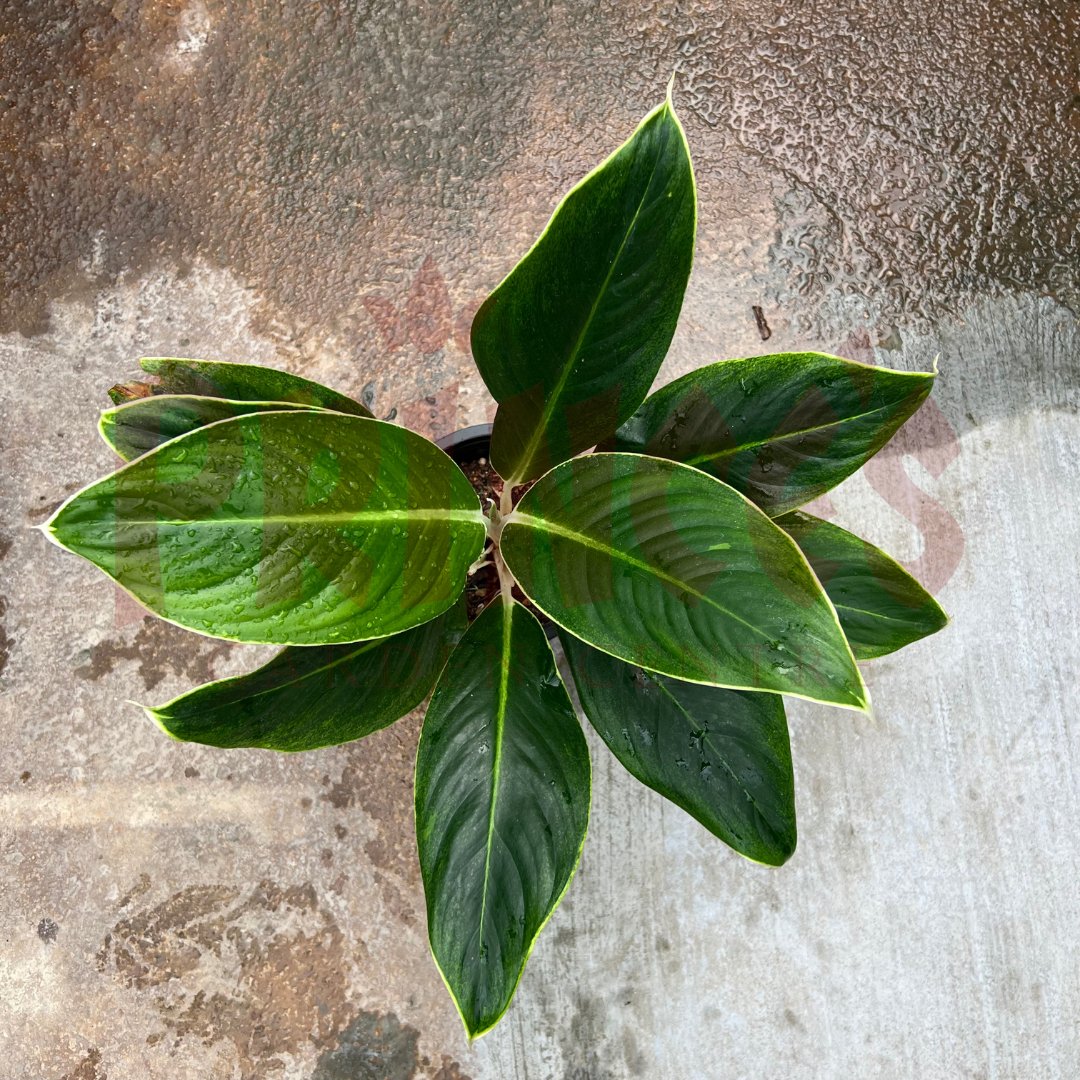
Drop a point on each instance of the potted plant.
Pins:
(657, 537)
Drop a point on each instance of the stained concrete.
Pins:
(333, 189)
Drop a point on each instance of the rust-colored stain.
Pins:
(264, 969)
(269, 139)
(161, 650)
(929, 439)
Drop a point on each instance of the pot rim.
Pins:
(460, 441)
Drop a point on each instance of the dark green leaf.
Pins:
(295, 528)
(781, 429)
(881, 606)
(722, 755)
(321, 695)
(139, 425)
(241, 382)
(571, 340)
(665, 566)
(502, 805)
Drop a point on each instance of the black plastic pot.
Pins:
(471, 444)
(468, 444)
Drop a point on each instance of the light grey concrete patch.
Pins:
(925, 927)
(921, 930)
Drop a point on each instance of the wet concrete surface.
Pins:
(333, 189)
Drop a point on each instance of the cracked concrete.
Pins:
(333, 189)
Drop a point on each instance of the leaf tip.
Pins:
(866, 706)
(106, 426)
(48, 530)
(937, 618)
(776, 856)
(856, 696)
(481, 1028)
(155, 717)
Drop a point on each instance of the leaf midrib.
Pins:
(552, 399)
(544, 525)
(342, 518)
(364, 647)
(753, 444)
(875, 615)
(719, 753)
(496, 757)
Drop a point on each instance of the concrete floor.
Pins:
(333, 192)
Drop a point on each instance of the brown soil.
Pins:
(483, 585)
(481, 589)
(486, 482)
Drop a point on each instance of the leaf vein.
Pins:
(714, 455)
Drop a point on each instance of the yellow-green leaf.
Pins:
(666, 567)
(295, 528)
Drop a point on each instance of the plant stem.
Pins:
(506, 579)
(506, 500)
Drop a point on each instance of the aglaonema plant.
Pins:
(658, 537)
